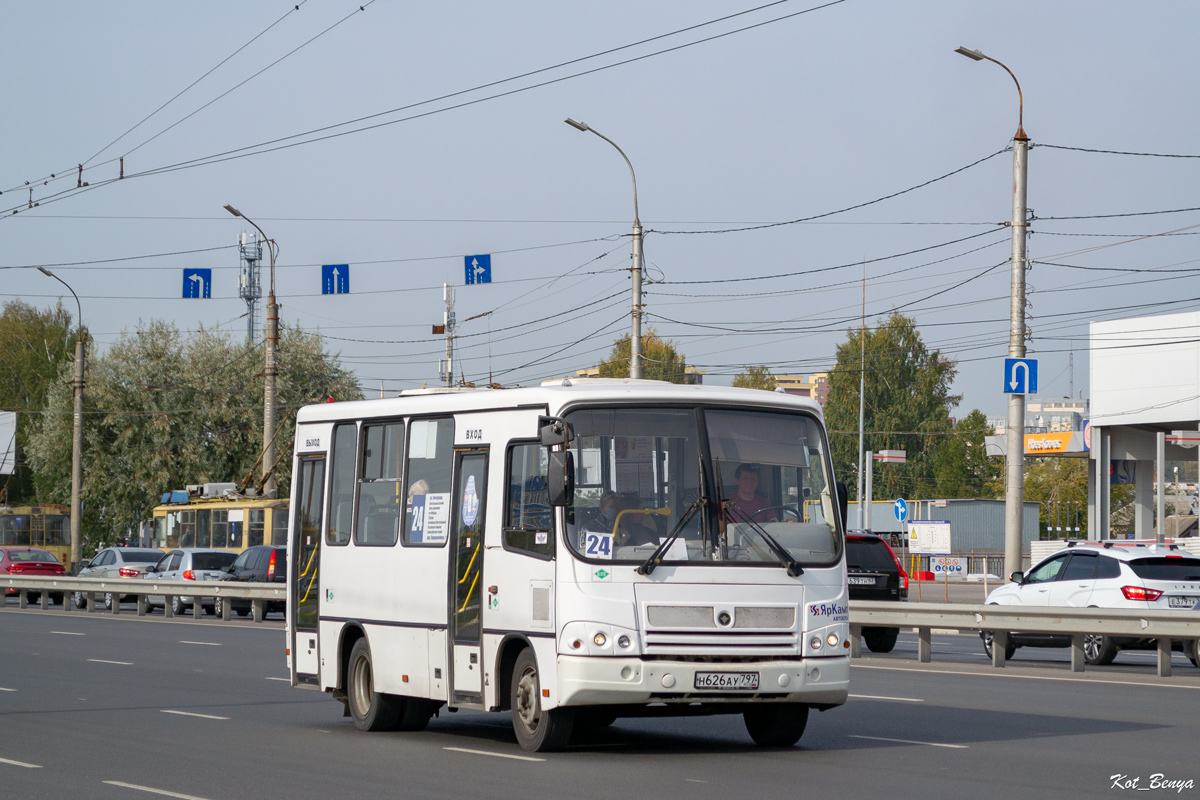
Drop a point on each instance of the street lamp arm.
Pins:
(78, 307)
(583, 126)
(977, 55)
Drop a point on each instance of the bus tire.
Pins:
(776, 724)
(594, 717)
(537, 729)
(415, 713)
(370, 710)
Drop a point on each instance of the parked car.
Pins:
(264, 563)
(116, 562)
(33, 562)
(874, 573)
(189, 564)
(1103, 575)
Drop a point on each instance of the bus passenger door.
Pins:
(305, 562)
(466, 578)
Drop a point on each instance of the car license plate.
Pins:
(1181, 602)
(726, 680)
(857, 581)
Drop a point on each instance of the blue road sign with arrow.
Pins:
(900, 509)
(335, 279)
(1020, 375)
(478, 269)
(197, 283)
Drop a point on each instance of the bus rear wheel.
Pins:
(371, 710)
(537, 729)
(776, 724)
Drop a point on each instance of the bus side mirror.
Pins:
(843, 501)
(553, 431)
(560, 478)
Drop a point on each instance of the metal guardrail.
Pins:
(259, 594)
(1164, 626)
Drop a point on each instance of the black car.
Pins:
(874, 573)
(263, 563)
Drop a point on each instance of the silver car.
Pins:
(116, 562)
(189, 564)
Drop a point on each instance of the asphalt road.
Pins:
(102, 707)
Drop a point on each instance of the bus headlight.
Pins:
(600, 639)
(815, 643)
(832, 639)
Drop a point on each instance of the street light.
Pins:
(1014, 495)
(272, 337)
(76, 434)
(635, 339)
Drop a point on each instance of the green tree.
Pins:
(755, 378)
(163, 410)
(962, 467)
(33, 346)
(660, 360)
(908, 402)
(1062, 483)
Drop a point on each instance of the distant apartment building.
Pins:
(815, 385)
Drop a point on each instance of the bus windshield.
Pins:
(755, 483)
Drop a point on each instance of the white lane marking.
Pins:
(693, 780)
(490, 753)
(105, 661)
(20, 763)
(289, 680)
(7, 690)
(882, 697)
(191, 714)
(1002, 674)
(909, 741)
(69, 633)
(210, 644)
(163, 792)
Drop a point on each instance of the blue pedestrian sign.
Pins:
(1020, 375)
(900, 509)
(335, 279)
(197, 283)
(478, 269)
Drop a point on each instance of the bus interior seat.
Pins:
(381, 527)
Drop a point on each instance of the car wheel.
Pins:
(108, 601)
(1010, 649)
(79, 600)
(1098, 650)
(537, 729)
(371, 710)
(242, 612)
(218, 607)
(177, 606)
(34, 597)
(1192, 649)
(880, 640)
(776, 724)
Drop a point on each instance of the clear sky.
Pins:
(805, 114)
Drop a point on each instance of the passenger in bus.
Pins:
(418, 487)
(605, 514)
(747, 504)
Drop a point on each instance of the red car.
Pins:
(33, 562)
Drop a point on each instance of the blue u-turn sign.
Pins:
(1020, 375)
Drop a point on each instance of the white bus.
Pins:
(572, 553)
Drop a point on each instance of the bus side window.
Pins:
(341, 483)
(429, 471)
(379, 488)
(528, 516)
(254, 530)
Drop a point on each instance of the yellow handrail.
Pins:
(467, 597)
(307, 568)
(467, 571)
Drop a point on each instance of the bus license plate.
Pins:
(727, 680)
(1181, 602)
(855, 581)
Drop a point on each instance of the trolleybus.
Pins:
(573, 553)
(47, 526)
(224, 521)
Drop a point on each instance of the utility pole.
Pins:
(1014, 494)
(448, 322)
(862, 385)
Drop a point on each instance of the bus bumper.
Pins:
(586, 680)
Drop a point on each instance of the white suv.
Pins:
(1107, 575)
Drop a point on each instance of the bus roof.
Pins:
(554, 395)
(211, 502)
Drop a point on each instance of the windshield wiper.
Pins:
(780, 552)
(656, 558)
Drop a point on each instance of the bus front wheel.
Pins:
(536, 728)
(776, 724)
(371, 710)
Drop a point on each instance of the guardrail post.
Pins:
(68, 603)
(197, 607)
(22, 598)
(1077, 659)
(856, 641)
(260, 610)
(116, 602)
(91, 598)
(999, 648)
(924, 645)
(142, 604)
(1164, 658)
(168, 606)
(226, 609)
(45, 599)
